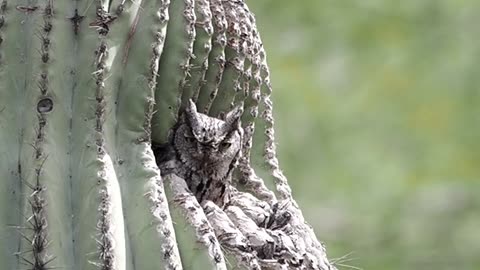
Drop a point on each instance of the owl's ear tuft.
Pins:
(191, 116)
(232, 118)
(191, 107)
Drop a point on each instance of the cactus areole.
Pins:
(89, 90)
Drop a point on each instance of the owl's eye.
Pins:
(190, 139)
(225, 145)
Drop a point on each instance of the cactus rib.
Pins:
(237, 33)
(301, 234)
(216, 58)
(201, 49)
(110, 226)
(270, 154)
(149, 229)
(94, 181)
(247, 176)
(173, 68)
(37, 179)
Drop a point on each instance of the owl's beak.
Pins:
(205, 148)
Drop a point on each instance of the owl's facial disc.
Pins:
(206, 139)
(210, 143)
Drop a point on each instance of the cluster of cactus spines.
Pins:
(85, 86)
(110, 225)
(201, 49)
(174, 67)
(35, 232)
(216, 58)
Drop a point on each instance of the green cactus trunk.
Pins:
(85, 87)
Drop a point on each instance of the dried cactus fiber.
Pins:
(110, 111)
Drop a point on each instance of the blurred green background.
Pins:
(377, 116)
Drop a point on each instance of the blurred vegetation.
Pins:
(377, 108)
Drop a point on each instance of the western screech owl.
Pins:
(207, 150)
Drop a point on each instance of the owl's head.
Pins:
(202, 140)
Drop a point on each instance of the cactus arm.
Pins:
(173, 68)
(192, 226)
(216, 58)
(201, 50)
(149, 229)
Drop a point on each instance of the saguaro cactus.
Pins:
(86, 86)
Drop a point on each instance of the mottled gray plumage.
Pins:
(207, 149)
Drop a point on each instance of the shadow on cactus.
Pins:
(129, 130)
